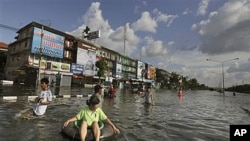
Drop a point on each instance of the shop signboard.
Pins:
(77, 68)
(52, 44)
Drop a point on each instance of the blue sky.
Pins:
(175, 35)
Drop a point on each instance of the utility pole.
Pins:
(222, 71)
(40, 58)
(125, 38)
(141, 54)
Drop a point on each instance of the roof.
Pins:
(3, 45)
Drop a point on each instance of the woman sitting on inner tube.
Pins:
(90, 116)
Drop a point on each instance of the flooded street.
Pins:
(197, 116)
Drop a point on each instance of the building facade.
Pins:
(3, 58)
(41, 51)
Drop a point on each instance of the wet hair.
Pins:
(45, 80)
(93, 100)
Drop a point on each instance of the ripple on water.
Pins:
(200, 116)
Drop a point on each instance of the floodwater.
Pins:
(197, 116)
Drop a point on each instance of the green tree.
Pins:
(174, 80)
(102, 67)
(193, 83)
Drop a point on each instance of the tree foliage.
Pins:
(240, 88)
(102, 67)
(175, 81)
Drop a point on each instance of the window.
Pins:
(67, 43)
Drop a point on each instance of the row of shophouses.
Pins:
(67, 58)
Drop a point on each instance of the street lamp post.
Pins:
(222, 70)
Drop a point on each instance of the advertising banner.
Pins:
(57, 66)
(118, 70)
(52, 44)
(140, 68)
(86, 58)
(77, 69)
(42, 64)
(151, 72)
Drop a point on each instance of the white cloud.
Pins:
(165, 18)
(93, 18)
(153, 48)
(145, 23)
(226, 30)
(186, 12)
(214, 32)
(112, 39)
(236, 67)
(116, 40)
(202, 9)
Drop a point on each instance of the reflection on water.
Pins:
(196, 116)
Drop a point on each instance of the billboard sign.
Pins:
(52, 44)
(87, 58)
(140, 68)
(77, 69)
(118, 70)
(151, 72)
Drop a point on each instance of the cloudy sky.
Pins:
(175, 35)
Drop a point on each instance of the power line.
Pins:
(8, 27)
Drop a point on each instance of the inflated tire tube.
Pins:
(73, 132)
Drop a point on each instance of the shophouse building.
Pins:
(54, 50)
(41, 51)
(3, 58)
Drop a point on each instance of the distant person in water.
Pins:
(98, 92)
(43, 99)
(149, 98)
(111, 91)
(89, 117)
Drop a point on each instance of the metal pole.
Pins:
(40, 58)
(140, 54)
(222, 70)
(125, 38)
(223, 77)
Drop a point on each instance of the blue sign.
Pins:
(52, 44)
(77, 69)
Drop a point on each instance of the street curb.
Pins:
(32, 98)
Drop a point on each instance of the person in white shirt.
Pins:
(43, 99)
